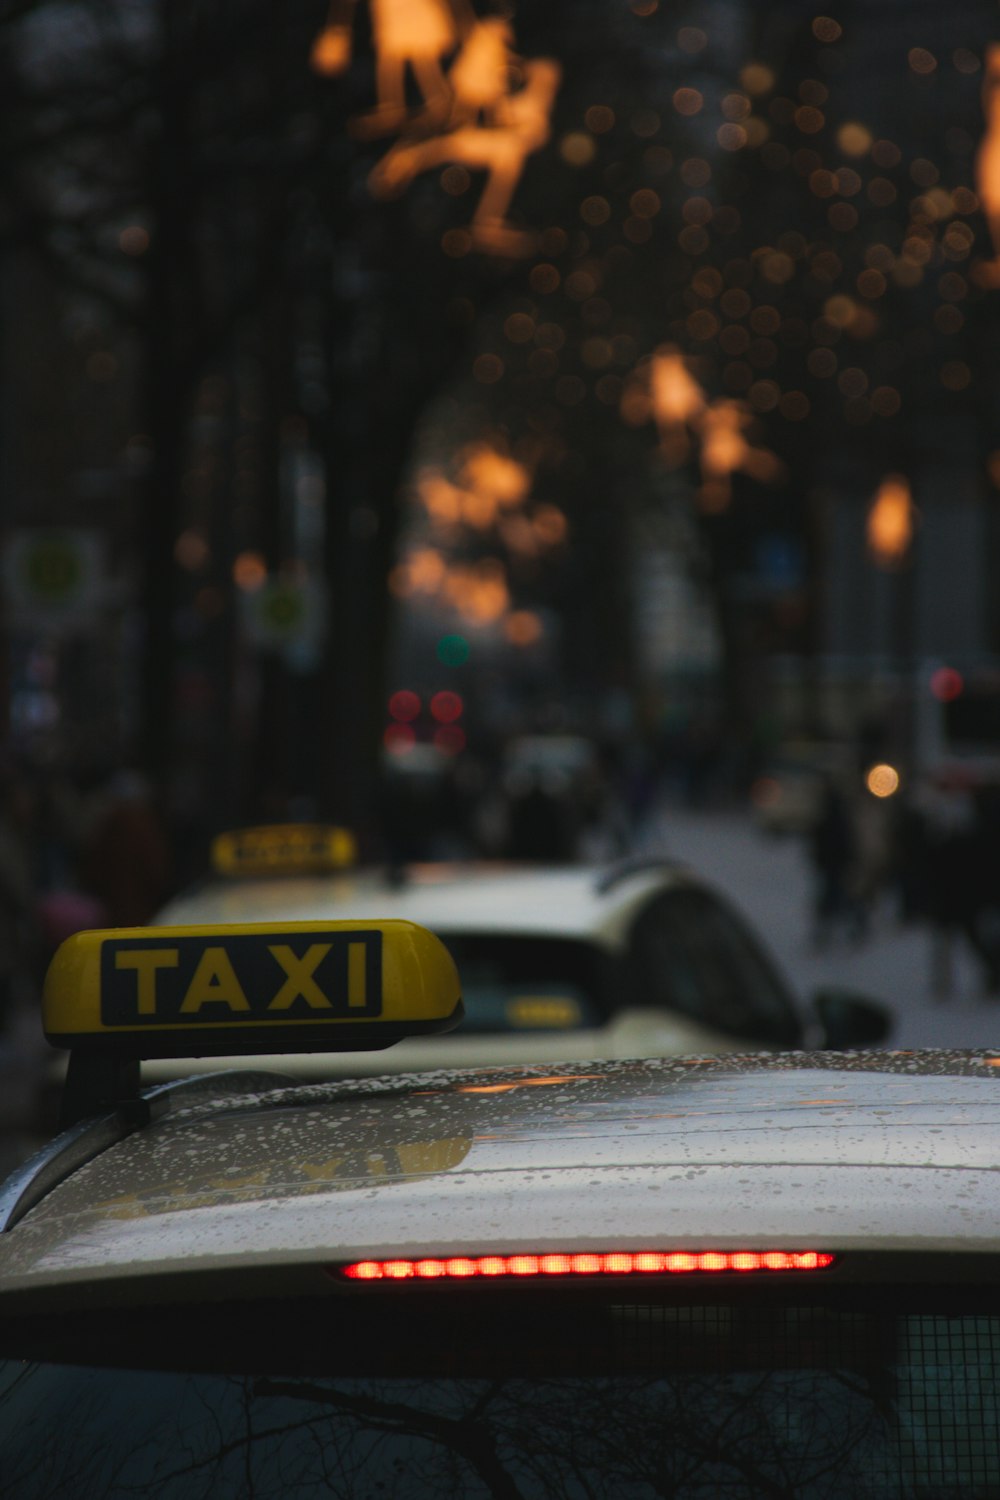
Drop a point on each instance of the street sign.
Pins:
(286, 615)
(53, 576)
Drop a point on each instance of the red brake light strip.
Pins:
(612, 1263)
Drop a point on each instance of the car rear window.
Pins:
(692, 954)
(515, 983)
(633, 1400)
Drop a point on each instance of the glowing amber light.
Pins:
(423, 572)
(577, 148)
(677, 398)
(519, 328)
(191, 551)
(456, 242)
(550, 525)
(725, 448)
(688, 101)
(455, 181)
(522, 628)
(757, 78)
(731, 137)
(331, 51)
(496, 475)
(809, 120)
(599, 118)
(841, 311)
(249, 571)
(882, 780)
(922, 61)
(604, 1263)
(890, 521)
(482, 107)
(134, 240)
(544, 278)
(595, 210)
(855, 139)
(645, 204)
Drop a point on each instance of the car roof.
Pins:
(574, 901)
(875, 1151)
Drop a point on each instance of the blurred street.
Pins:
(770, 879)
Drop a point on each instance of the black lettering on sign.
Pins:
(276, 976)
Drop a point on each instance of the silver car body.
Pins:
(261, 1185)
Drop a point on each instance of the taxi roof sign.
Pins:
(207, 991)
(283, 849)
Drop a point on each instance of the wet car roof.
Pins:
(877, 1150)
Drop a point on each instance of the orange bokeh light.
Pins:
(249, 571)
(890, 521)
(523, 627)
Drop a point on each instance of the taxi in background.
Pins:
(637, 958)
(741, 1277)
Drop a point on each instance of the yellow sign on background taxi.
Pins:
(176, 991)
(283, 848)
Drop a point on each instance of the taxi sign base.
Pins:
(100, 1085)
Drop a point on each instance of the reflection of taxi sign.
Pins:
(283, 848)
(204, 991)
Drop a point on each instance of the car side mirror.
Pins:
(850, 1020)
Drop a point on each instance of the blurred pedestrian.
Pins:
(18, 894)
(908, 871)
(542, 822)
(871, 818)
(833, 851)
(126, 860)
(985, 878)
(953, 876)
(63, 906)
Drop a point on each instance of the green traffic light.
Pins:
(453, 650)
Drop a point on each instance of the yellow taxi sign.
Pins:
(283, 849)
(546, 1012)
(258, 987)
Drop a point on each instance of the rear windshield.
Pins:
(632, 1400)
(531, 983)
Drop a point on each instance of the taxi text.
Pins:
(239, 978)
